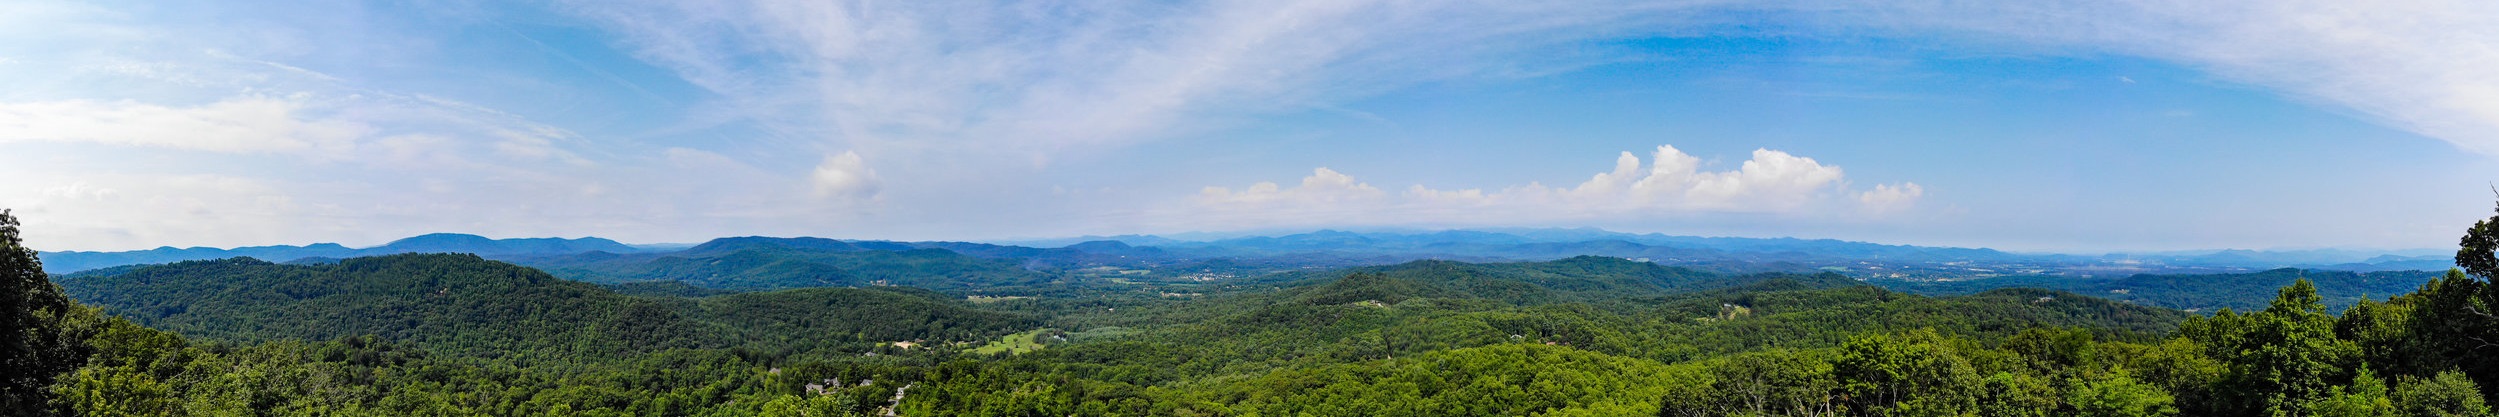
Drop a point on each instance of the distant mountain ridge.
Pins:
(74, 261)
(1323, 248)
(1761, 253)
(2196, 292)
(1579, 240)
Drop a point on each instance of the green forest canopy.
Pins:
(460, 335)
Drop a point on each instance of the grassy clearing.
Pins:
(1014, 343)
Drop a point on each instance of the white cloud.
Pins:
(845, 177)
(78, 191)
(1323, 186)
(242, 124)
(91, 210)
(126, 131)
(1673, 183)
(1019, 78)
(1772, 181)
(933, 88)
(2428, 66)
(1887, 198)
(1108, 73)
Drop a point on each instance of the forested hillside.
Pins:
(435, 334)
(2197, 292)
(468, 306)
(754, 263)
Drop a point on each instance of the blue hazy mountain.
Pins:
(1751, 254)
(608, 260)
(1562, 243)
(74, 261)
(2195, 292)
(770, 263)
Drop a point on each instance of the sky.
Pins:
(2050, 125)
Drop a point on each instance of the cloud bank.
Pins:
(1670, 183)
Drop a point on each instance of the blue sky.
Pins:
(2039, 126)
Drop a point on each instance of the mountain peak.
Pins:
(439, 239)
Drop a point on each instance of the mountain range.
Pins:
(840, 262)
(74, 261)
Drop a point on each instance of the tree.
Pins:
(2365, 397)
(2460, 309)
(2383, 333)
(2016, 395)
(1916, 373)
(2117, 394)
(1772, 381)
(35, 348)
(2054, 348)
(2290, 355)
(810, 406)
(2478, 251)
(114, 391)
(2449, 394)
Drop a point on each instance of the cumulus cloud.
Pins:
(1671, 182)
(1323, 186)
(1887, 198)
(845, 176)
(1772, 181)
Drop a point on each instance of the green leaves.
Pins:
(2118, 394)
(456, 335)
(2478, 251)
(36, 344)
(1883, 372)
(2447, 394)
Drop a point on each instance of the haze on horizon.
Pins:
(2067, 126)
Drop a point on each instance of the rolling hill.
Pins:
(758, 263)
(471, 306)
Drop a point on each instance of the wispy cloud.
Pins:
(2428, 66)
(1018, 79)
(242, 124)
(122, 133)
(1042, 78)
(924, 89)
